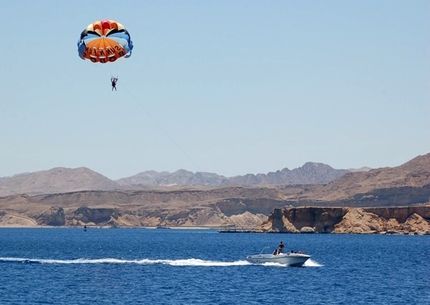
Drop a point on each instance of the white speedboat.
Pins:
(290, 259)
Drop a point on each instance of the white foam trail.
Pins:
(171, 262)
(311, 263)
(203, 263)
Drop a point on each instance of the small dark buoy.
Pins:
(85, 228)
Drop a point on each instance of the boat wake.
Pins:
(110, 261)
(311, 263)
(171, 262)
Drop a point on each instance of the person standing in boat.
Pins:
(279, 249)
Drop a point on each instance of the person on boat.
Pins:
(114, 80)
(279, 249)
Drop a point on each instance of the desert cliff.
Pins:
(350, 220)
(357, 202)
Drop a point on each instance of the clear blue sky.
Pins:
(225, 86)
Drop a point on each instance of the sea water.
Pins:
(148, 266)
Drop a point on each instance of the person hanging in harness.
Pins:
(114, 80)
(279, 249)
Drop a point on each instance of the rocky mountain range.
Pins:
(309, 173)
(61, 180)
(407, 185)
(178, 178)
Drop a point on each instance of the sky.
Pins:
(231, 87)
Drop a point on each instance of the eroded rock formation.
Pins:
(53, 216)
(350, 220)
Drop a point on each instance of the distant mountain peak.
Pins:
(182, 171)
(360, 169)
(55, 180)
(315, 164)
(418, 162)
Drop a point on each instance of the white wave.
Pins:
(311, 263)
(171, 262)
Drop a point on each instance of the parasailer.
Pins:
(105, 41)
(113, 81)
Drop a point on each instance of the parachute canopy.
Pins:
(105, 41)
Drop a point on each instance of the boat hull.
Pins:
(289, 259)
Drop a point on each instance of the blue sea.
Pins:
(143, 266)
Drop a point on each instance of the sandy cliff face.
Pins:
(350, 220)
(130, 216)
(188, 207)
(16, 220)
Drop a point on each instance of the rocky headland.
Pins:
(393, 220)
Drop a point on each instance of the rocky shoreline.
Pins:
(393, 220)
(413, 220)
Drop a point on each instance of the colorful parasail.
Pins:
(105, 41)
